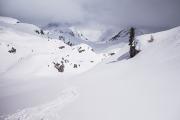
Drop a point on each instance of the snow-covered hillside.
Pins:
(108, 86)
(143, 88)
(27, 52)
(28, 55)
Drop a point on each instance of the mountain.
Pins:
(123, 35)
(107, 85)
(71, 36)
(65, 33)
(28, 50)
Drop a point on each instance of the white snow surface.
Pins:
(145, 87)
(8, 20)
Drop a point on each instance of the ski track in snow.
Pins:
(49, 111)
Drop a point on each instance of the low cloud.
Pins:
(159, 13)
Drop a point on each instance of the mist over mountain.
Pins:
(89, 59)
(97, 13)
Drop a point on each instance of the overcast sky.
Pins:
(159, 13)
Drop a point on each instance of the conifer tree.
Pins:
(132, 44)
(131, 36)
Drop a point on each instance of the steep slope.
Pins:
(142, 88)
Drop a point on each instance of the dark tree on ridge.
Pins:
(132, 44)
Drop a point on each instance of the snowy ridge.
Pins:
(123, 35)
(9, 20)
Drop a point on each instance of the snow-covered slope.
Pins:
(31, 61)
(25, 52)
(9, 20)
(145, 87)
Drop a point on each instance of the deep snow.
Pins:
(145, 87)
